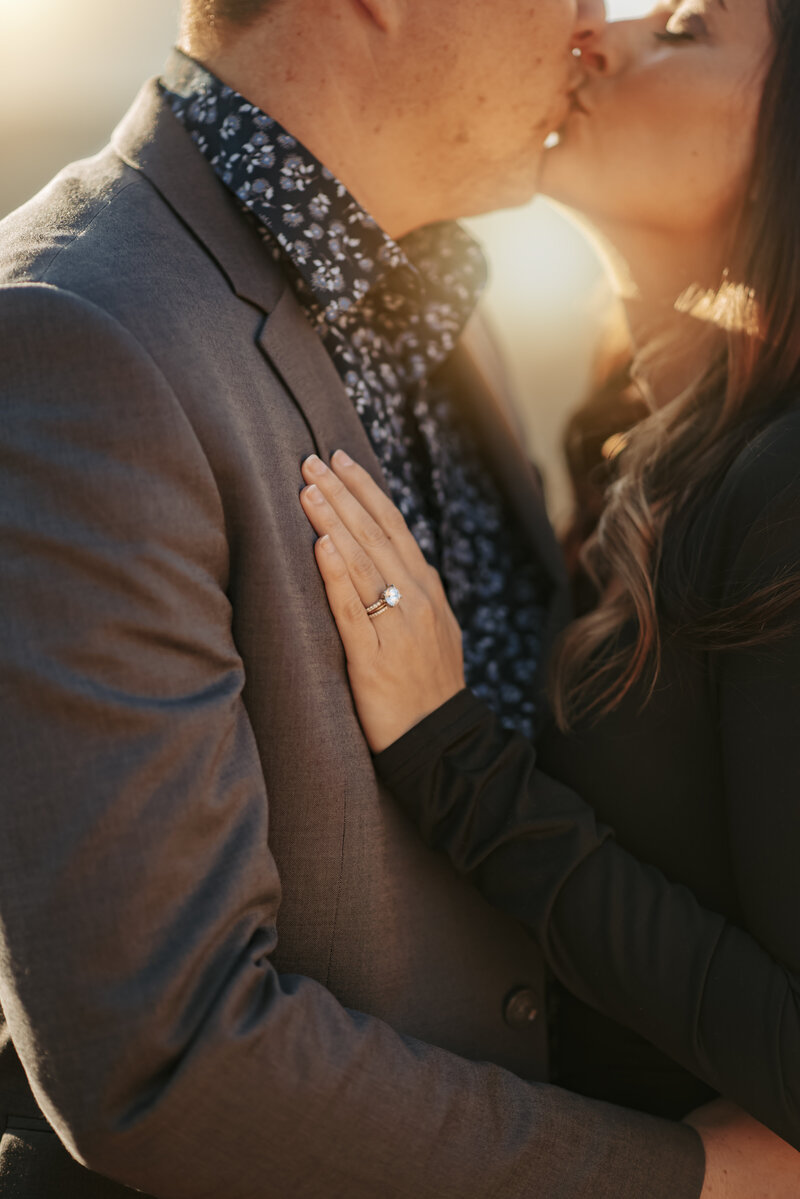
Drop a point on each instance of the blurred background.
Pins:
(70, 68)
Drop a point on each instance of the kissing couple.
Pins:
(442, 891)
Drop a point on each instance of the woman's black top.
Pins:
(675, 939)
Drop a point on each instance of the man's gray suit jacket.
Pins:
(228, 967)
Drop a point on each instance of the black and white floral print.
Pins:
(389, 314)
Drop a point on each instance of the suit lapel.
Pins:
(152, 141)
(297, 353)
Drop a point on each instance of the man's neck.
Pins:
(329, 109)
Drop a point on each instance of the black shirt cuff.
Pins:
(429, 739)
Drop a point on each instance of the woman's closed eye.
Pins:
(683, 27)
(672, 37)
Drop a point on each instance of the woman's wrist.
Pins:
(430, 737)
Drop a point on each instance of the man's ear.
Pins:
(383, 13)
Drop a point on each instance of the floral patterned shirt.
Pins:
(389, 313)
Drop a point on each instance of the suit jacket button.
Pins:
(520, 1007)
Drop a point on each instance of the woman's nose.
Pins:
(589, 22)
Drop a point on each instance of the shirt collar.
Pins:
(338, 249)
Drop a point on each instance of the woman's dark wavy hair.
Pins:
(676, 455)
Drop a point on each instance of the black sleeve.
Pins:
(723, 1001)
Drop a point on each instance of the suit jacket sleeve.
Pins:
(721, 999)
(138, 896)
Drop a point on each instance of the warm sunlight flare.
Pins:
(26, 18)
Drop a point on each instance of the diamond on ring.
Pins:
(389, 598)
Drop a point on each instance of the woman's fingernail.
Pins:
(314, 495)
(343, 459)
(326, 544)
(314, 465)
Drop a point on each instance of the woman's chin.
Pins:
(567, 180)
(564, 175)
(570, 176)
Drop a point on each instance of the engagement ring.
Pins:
(389, 598)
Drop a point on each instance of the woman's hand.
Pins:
(744, 1160)
(406, 661)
